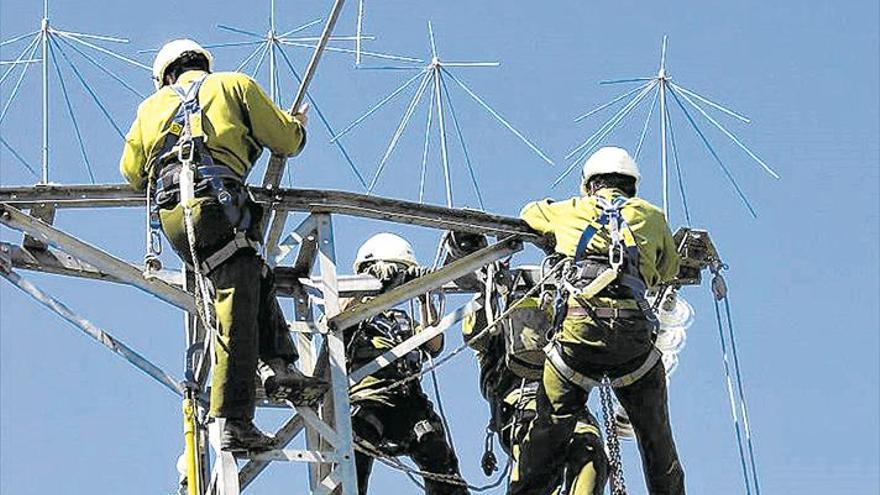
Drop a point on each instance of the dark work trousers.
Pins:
(393, 428)
(559, 403)
(249, 321)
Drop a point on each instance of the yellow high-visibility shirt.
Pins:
(658, 256)
(239, 120)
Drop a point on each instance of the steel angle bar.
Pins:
(329, 484)
(87, 327)
(273, 237)
(101, 260)
(58, 263)
(314, 422)
(407, 212)
(72, 196)
(415, 341)
(312, 68)
(249, 472)
(426, 283)
(294, 455)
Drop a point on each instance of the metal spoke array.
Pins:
(272, 48)
(51, 43)
(433, 79)
(659, 87)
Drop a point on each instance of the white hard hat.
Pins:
(610, 160)
(385, 247)
(172, 51)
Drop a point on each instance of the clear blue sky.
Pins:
(804, 274)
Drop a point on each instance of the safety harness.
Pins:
(186, 170)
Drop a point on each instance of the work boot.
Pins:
(241, 435)
(285, 382)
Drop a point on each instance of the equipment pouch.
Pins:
(526, 332)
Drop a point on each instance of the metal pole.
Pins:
(316, 55)
(664, 164)
(45, 48)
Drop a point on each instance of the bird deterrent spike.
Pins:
(444, 145)
(424, 170)
(18, 38)
(730, 135)
(627, 80)
(72, 114)
(21, 56)
(623, 110)
(301, 28)
(498, 117)
(104, 51)
(714, 154)
(323, 119)
(645, 127)
(102, 68)
(467, 156)
(379, 105)
(97, 37)
(601, 133)
(711, 103)
(615, 100)
(17, 87)
(678, 171)
(383, 56)
(400, 128)
(20, 158)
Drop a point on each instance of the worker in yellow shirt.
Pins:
(617, 247)
(191, 147)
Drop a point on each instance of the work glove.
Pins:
(546, 243)
(301, 115)
(460, 244)
(394, 274)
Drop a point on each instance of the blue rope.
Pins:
(742, 394)
(678, 173)
(102, 68)
(19, 158)
(79, 138)
(89, 89)
(724, 168)
(464, 150)
(324, 120)
(739, 440)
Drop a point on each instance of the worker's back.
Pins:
(239, 120)
(658, 261)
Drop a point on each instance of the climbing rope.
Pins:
(612, 441)
(737, 398)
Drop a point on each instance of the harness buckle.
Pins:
(615, 256)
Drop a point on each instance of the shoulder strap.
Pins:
(187, 123)
(610, 211)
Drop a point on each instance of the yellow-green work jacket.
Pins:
(658, 257)
(239, 120)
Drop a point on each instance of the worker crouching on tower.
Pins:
(191, 147)
(618, 246)
(510, 355)
(394, 420)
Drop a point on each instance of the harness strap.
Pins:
(604, 313)
(554, 357)
(241, 241)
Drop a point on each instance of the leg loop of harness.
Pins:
(554, 357)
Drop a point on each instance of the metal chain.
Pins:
(618, 484)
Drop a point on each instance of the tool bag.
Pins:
(526, 333)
